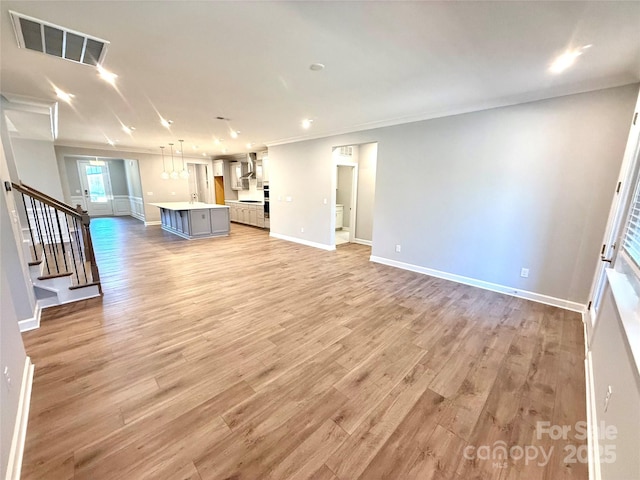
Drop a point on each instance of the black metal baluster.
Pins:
(52, 233)
(81, 249)
(64, 253)
(43, 241)
(33, 243)
(73, 255)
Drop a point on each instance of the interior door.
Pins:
(96, 187)
(622, 197)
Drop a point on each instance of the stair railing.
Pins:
(60, 237)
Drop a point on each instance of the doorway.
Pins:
(96, 187)
(346, 186)
(199, 190)
(355, 179)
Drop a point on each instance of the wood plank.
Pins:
(248, 357)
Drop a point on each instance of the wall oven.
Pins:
(266, 201)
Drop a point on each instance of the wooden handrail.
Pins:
(47, 200)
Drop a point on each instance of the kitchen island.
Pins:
(194, 220)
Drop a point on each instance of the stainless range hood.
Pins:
(251, 161)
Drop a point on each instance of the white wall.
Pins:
(613, 365)
(154, 189)
(16, 305)
(37, 167)
(367, 162)
(478, 195)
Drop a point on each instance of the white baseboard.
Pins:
(494, 287)
(369, 243)
(302, 241)
(33, 322)
(137, 216)
(14, 464)
(153, 222)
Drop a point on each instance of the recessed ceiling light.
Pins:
(224, 150)
(306, 123)
(565, 60)
(204, 154)
(249, 145)
(217, 141)
(64, 96)
(166, 123)
(316, 67)
(110, 142)
(234, 133)
(107, 76)
(195, 147)
(128, 130)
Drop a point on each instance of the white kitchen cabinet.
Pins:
(253, 216)
(339, 217)
(218, 168)
(259, 175)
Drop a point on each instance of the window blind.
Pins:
(631, 241)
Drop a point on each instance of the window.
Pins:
(95, 180)
(631, 237)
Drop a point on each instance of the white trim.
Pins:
(121, 205)
(14, 464)
(494, 287)
(153, 222)
(593, 450)
(33, 322)
(136, 207)
(301, 241)
(361, 241)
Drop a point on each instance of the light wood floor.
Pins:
(253, 358)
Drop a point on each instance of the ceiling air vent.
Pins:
(58, 41)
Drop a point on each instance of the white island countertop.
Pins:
(187, 205)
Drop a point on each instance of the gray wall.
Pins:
(368, 159)
(36, 164)
(132, 172)
(117, 175)
(479, 195)
(16, 306)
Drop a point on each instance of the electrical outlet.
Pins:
(7, 377)
(524, 272)
(301, 229)
(398, 248)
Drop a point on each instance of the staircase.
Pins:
(57, 238)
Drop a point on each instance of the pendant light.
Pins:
(174, 175)
(184, 173)
(164, 175)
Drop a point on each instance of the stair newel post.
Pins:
(88, 245)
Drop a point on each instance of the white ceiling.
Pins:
(386, 63)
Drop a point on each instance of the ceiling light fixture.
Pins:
(64, 96)
(184, 173)
(224, 150)
(164, 175)
(128, 130)
(110, 142)
(234, 133)
(316, 67)
(204, 154)
(306, 123)
(567, 59)
(249, 145)
(174, 175)
(106, 75)
(166, 123)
